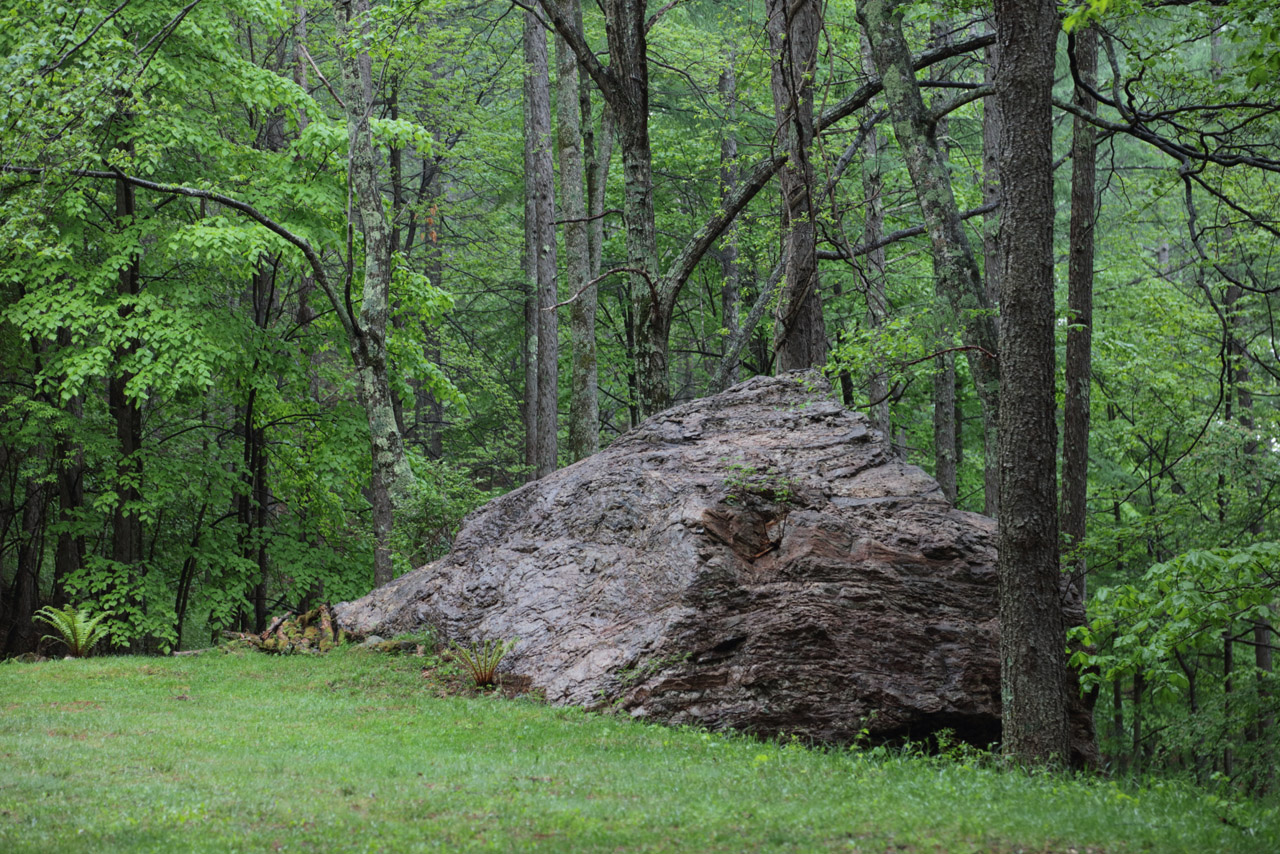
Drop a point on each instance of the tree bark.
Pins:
(944, 425)
(1075, 416)
(529, 263)
(992, 128)
(573, 112)
(126, 520)
(800, 338)
(955, 269)
(651, 315)
(874, 273)
(70, 553)
(946, 459)
(1032, 636)
(730, 173)
(392, 479)
(540, 240)
(23, 635)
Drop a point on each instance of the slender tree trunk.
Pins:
(1139, 689)
(992, 128)
(1117, 719)
(253, 498)
(573, 111)
(1228, 669)
(945, 441)
(70, 554)
(1032, 635)
(800, 339)
(529, 260)
(955, 268)
(24, 635)
(392, 479)
(541, 240)
(730, 172)
(629, 97)
(429, 421)
(874, 273)
(126, 525)
(1075, 436)
(944, 425)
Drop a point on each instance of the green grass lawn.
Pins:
(353, 752)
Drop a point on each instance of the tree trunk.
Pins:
(529, 262)
(1032, 635)
(597, 177)
(955, 268)
(1228, 668)
(946, 460)
(1075, 416)
(573, 112)
(651, 315)
(126, 522)
(800, 338)
(1139, 689)
(70, 553)
(992, 128)
(24, 636)
(944, 425)
(392, 479)
(875, 261)
(729, 177)
(541, 240)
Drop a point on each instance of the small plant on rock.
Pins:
(78, 631)
(482, 659)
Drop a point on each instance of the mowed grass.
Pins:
(351, 753)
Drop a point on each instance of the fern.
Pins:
(79, 632)
(482, 659)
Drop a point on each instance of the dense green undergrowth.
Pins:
(352, 752)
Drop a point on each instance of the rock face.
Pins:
(759, 560)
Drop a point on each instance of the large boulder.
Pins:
(760, 560)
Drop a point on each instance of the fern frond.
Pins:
(78, 631)
(482, 659)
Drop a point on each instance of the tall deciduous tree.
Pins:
(800, 339)
(1032, 637)
(955, 268)
(1075, 414)
(392, 479)
(573, 112)
(542, 400)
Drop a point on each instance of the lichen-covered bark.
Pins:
(573, 110)
(391, 478)
(1033, 639)
(800, 338)
(955, 269)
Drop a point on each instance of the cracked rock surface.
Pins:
(759, 559)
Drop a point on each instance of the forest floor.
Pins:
(363, 752)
